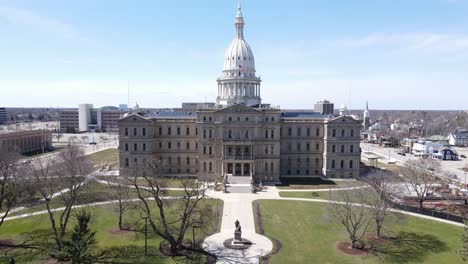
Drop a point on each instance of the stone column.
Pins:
(242, 169)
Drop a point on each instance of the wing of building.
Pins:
(240, 135)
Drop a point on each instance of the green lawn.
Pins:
(128, 246)
(316, 183)
(109, 156)
(309, 235)
(308, 195)
(92, 192)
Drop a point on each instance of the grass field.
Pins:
(308, 195)
(92, 192)
(309, 235)
(315, 183)
(109, 156)
(128, 247)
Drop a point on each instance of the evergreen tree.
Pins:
(79, 247)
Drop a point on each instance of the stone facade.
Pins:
(264, 143)
(27, 141)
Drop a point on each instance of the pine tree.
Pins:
(78, 248)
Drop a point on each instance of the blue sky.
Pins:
(398, 54)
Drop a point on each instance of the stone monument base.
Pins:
(237, 244)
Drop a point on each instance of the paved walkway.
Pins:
(238, 206)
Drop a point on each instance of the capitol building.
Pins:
(240, 135)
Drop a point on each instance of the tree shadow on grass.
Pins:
(135, 254)
(409, 247)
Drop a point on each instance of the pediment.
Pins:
(238, 108)
(344, 120)
(134, 118)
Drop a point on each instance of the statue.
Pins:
(238, 232)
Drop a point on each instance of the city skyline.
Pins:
(345, 52)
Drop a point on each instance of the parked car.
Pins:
(463, 156)
(401, 153)
(92, 143)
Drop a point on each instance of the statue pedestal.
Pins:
(237, 238)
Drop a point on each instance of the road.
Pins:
(448, 166)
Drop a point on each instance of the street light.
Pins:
(193, 235)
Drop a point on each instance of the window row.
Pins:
(136, 147)
(178, 145)
(135, 131)
(342, 148)
(179, 131)
(300, 146)
(343, 132)
(300, 131)
(342, 164)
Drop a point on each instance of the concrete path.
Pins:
(238, 206)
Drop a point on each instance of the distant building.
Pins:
(3, 115)
(196, 106)
(123, 107)
(445, 154)
(366, 118)
(458, 139)
(86, 118)
(426, 148)
(324, 107)
(27, 141)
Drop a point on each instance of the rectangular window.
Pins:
(317, 146)
(210, 133)
(187, 131)
(126, 132)
(333, 164)
(143, 132)
(126, 163)
(308, 132)
(169, 145)
(272, 133)
(298, 131)
(351, 148)
(169, 131)
(188, 161)
(308, 147)
(135, 131)
(178, 131)
(317, 132)
(334, 133)
(204, 133)
(135, 147)
(289, 131)
(144, 147)
(266, 133)
(126, 146)
(160, 145)
(333, 148)
(187, 145)
(350, 164)
(210, 150)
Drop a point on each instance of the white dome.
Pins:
(238, 56)
(343, 107)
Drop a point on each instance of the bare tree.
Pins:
(348, 209)
(420, 178)
(121, 192)
(171, 218)
(58, 135)
(62, 180)
(378, 198)
(9, 183)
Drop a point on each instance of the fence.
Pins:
(428, 212)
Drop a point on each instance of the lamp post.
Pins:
(146, 236)
(193, 235)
